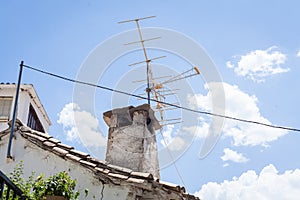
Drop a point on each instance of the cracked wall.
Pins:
(131, 138)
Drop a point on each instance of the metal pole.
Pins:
(148, 90)
(9, 156)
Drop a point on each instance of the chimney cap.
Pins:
(129, 110)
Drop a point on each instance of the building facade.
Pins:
(30, 110)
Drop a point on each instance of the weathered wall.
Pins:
(42, 161)
(132, 140)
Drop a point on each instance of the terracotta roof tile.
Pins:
(118, 176)
(79, 153)
(105, 171)
(98, 169)
(65, 146)
(36, 137)
(86, 163)
(119, 169)
(25, 129)
(60, 151)
(49, 144)
(98, 162)
(44, 135)
(143, 175)
(54, 140)
(136, 180)
(72, 157)
(172, 186)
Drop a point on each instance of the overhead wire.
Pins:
(165, 103)
(173, 160)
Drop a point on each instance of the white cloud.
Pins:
(199, 131)
(78, 123)
(229, 64)
(298, 54)
(167, 134)
(241, 105)
(200, 101)
(230, 155)
(171, 139)
(269, 184)
(225, 165)
(259, 64)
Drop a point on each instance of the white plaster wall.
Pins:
(3, 126)
(42, 161)
(6, 93)
(23, 107)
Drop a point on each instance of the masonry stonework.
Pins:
(131, 138)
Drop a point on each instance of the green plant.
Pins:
(59, 184)
(17, 178)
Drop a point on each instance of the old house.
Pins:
(30, 110)
(131, 169)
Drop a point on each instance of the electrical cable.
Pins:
(165, 103)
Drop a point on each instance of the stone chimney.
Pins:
(131, 138)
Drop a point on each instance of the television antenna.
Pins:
(155, 88)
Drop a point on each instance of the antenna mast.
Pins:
(142, 41)
(154, 88)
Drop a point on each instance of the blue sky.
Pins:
(255, 47)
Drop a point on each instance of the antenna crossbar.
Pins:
(179, 78)
(138, 81)
(163, 109)
(183, 75)
(137, 19)
(145, 61)
(168, 90)
(146, 40)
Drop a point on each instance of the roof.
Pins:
(106, 172)
(33, 95)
